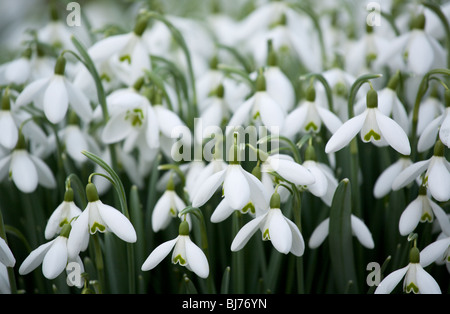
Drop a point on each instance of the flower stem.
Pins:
(238, 257)
(99, 263)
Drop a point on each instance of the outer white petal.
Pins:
(24, 172)
(361, 232)
(30, 91)
(246, 232)
(409, 174)
(8, 130)
(393, 133)
(271, 113)
(319, 234)
(444, 130)
(75, 143)
(294, 121)
(258, 193)
(169, 120)
(383, 185)
(280, 232)
(160, 214)
(152, 131)
(345, 133)
(320, 185)
(158, 254)
(208, 188)
(222, 211)
(35, 258)
(439, 180)
(429, 134)
(410, 217)
(117, 222)
(441, 217)
(331, 121)
(196, 259)
(79, 234)
(116, 129)
(426, 283)
(291, 171)
(107, 47)
(420, 53)
(235, 187)
(45, 175)
(298, 244)
(56, 100)
(391, 281)
(53, 222)
(241, 116)
(79, 102)
(55, 260)
(434, 251)
(6, 256)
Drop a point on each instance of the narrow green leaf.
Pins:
(224, 289)
(189, 285)
(340, 240)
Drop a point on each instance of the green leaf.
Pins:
(340, 239)
(224, 289)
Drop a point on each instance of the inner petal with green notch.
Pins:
(135, 116)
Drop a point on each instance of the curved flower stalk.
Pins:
(54, 94)
(185, 253)
(359, 230)
(26, 169)
(415, 278)
(62, 215)
(98, 217)
(374, 127)
(436, 171)
(383, 184)
(309, 117)
(282, 232)
(53, 256)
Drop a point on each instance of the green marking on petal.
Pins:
(412, 288)
(249, 207)
(312, 126)
(125, 58)
(426, 217)
(63, 222)
(96, 226)
(179, 259)
(266, 235)
(256, 115)
(136, 116)
(172, 212)
(373, 134)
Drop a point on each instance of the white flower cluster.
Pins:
(167, 85)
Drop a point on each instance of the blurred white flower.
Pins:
(17, 71)
(383, 184)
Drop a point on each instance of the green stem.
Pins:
(298, 260)
(99, 263)
(238, 257)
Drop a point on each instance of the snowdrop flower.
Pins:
(430, 108)
(6, 256)
(259, 108)
(359, 230)
(62, 215)
(421, 209)
(373, 126)
(127, 53)
(25, 169)
(383, 184)
(414, 51)
(8, 127)
(53, 256)
(440, 126)
(98, 217)
(167, 207)
(309, 117)
(282, 232)
(436, 171)
(416, 279)
(185, 253)
(238, 185)
(17, 71)
(54, 94)
(437, 252)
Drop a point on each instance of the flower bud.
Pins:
(91, 193)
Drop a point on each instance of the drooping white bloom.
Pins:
(62, 215)
(383, 184)
(440, 126)
(436, 171)
(185, 252)
(6, 256)
(430, 108)
(98, 217)
(53, 256)
(416, 279)
(26, 170)
(374, 127)
(54, 94)
(282, 232)
(16, 71)
(359, 230)
(437, 252)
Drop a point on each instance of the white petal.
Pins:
(444, 130)
(361, 232)
(170, 120)
(426, 283)
(53, 222)
(345, 133)
(298, 244)
(319, 234)
(196, 259)
(236, 187)
(383, 185)
(420, 53)
(429, 135)
(79, 102)
(291, 171)
(246, 232)
(30, 91)
(280, 232)
(160, 214)
(158, 254)
(393, 133)
(294, 121)
(208, 188)
(24, 172)
(271, 113)
(35, 258)
(241, 116)
(439, 180)
(331, 121)
(434, 251)
(410, 217)
(409, 174)
(117, 128)
(258, 194)
(441, 217)
(45, 175)
(319, 187)
(105, 48)
(391, 281)
(55, 260)
(75, 143)
(117, 222)
(222, 211)
(8, 130)
(6, 256)
(56, 100)
(79, 234)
